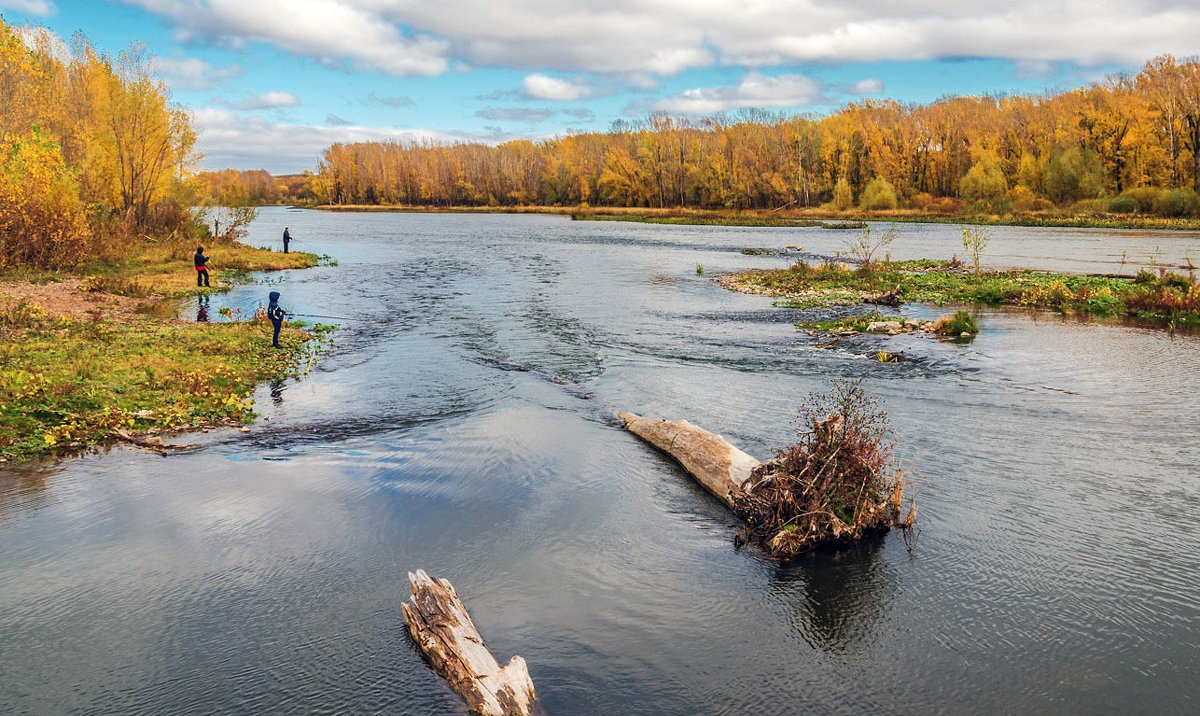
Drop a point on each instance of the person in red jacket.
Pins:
(201, 262)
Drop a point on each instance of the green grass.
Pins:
(167, 271)
(958, 323)
(67, 384)
(1166, 299)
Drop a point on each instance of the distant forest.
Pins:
(1124, 145)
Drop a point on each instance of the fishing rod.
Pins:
(336, 318)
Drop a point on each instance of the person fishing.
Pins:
(201, 262)
(276, 313)
(287, 239)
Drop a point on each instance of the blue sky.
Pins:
(273, 82)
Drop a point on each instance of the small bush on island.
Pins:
(840, 482)
(956, 324)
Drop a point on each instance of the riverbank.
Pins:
(802, 217)
(1159, 298)
(81, 357)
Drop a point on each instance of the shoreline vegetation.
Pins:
(1107, 154)
(83, 360)
(794, 218)
(100, 213)
(1157, 297)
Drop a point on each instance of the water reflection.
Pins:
(277, 387)
(838, 597)
(24, 489)
(202, 304)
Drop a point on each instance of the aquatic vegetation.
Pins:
(840, 482)
(956, 324)
(699, 269)
(1158, 296)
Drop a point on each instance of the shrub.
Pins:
(1022, 198)
(1073, 175)
(985, 181)
(921, 201)
(879, 195)
(843, 197)
(1090, 206)
(956, 324)
(839, 482)
(115, 285)
(1175, 202)
(864, 248)
(1144, 196)
(975, 239)
(42, 222)
(947, 205)
(1123, 205)
(21, 314)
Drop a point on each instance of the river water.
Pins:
(1057, 568)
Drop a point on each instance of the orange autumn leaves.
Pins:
(92, 153)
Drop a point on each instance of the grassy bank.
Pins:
(1163, 298)
(80, 359)
(66, 384)
(167, 271)
(807, 217)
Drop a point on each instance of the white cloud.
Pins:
(539, 86)
(269, 100)
(870, 85)
(41, 8)
(664, 37)
(755, 91)
(518, 114)
(186, 73)
(328, 30)
(232, 139)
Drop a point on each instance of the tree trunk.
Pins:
(439, 624)
(720, 467)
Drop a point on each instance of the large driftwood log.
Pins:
(720, 467)
(439, 624)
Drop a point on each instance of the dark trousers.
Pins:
(285, 244)
(202, 277)
(276, 323)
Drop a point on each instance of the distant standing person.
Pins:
(276, 313)
(287, 239)
(201, 262)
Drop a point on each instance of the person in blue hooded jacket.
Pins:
(276, 313)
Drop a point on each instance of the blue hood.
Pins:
(274, 296)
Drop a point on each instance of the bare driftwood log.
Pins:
(439, 624)
(720, 467)
(887, 298)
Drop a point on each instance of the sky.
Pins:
(272, 83)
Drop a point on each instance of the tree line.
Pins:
(93, 155)
(1125, 144)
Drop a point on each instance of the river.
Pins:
(1057, 567)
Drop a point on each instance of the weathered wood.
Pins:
(720, 467)
(439, 623)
